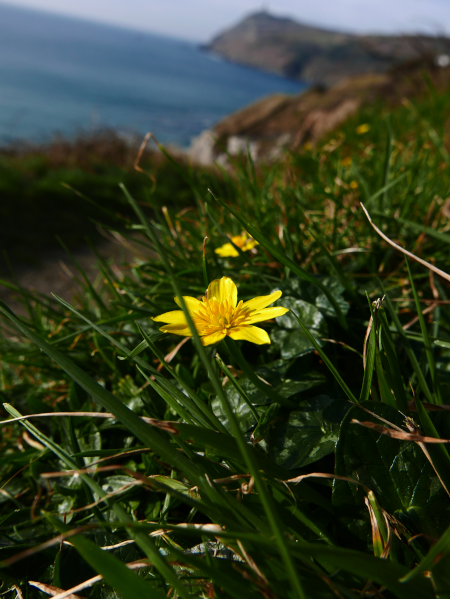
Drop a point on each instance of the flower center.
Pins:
(215, 316)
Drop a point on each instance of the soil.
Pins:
(55, 272)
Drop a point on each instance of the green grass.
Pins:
(65, 189)
(187, 495)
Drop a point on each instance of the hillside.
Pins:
(283, 121)
(286, 47)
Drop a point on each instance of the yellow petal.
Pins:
(362, 129)
(249, 333)
(177, 329)
(213, 338)
(239, 240)
(174, 317)
(258, 303)
(222, 289)
(249, 245)
(226, 251)
(266, 314)
(192, 303)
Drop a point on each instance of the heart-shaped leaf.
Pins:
(289, 338)
(398, 472)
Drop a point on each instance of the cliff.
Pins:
(286, 47)
(281, 121)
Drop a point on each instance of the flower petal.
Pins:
(174, 317)
(222, 289)
(266, 314)
(239, 240)
(258, 303)
(227, 250)
(249, 245)
(192, 303)
(213, 338)
(249, 333)
(176, 329)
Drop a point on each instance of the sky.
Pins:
(200, 20)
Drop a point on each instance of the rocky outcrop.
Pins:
(295, 50)
(281, 121)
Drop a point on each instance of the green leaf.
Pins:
(289, 338)
(327, 361)
(308, 434)
(235, 352)
(265, 423)
(237, 386)
(398, 472)
(242, 411)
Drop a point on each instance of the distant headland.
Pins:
(319, 56)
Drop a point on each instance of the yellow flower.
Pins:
(243, 241)
(219, 314)
(362, 129)
(354, 184)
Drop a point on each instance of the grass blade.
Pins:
(285, 260)
(115, 573)
(426, 340)
(326, 360)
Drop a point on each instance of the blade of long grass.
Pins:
(341, 275)
(176, 407)
(195, 405)
(392, 365)
(95, 296)
(201, 411)
(368, 567)
(385, 389)
(227, 372)
(438, 453)
(260, 485)
(437, 397)
(441, 547)
(145, 542)
(429, 231)
(281, 256)
(149, 436)
(387, 163)
(431, 267)
(406, 344)
(114, 572)
(385, 188)
(235, 352)
(370, 359)
(326, 360)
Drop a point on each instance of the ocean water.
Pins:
(61, 76)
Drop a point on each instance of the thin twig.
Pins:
(438, 271)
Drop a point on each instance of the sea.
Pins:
(66, 76)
